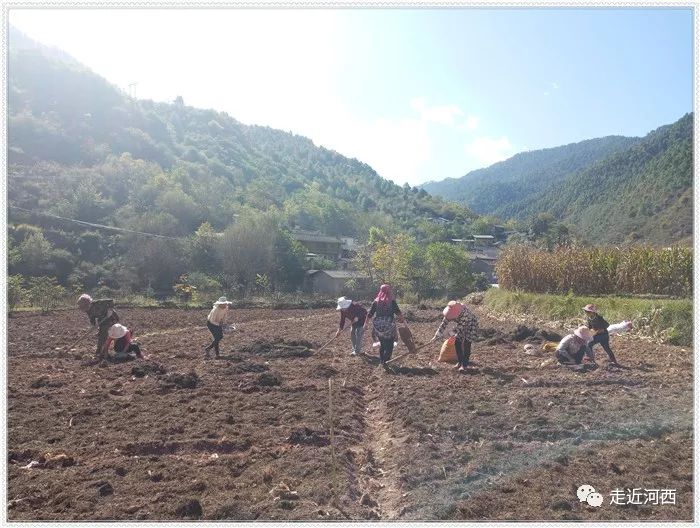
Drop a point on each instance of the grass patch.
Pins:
(670, 320)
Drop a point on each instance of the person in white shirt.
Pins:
(572, 347)
(216, 320)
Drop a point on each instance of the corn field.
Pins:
(631, 270)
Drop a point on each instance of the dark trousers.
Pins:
(218, 333)
(102, 334)
(463, 347)
(386, 348)
(564, 360)
(131, 348)
(604, 340)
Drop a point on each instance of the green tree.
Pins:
(46, 293)
(15, 292)
(449, 269)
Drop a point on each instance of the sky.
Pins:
(418, 94)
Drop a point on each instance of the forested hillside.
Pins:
(644, 193)
(609, 191)
(504, 189)
(80, 149)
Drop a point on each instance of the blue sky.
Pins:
(419, 94)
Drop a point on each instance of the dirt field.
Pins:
(176, 436)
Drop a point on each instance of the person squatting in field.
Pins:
(101, 313)
(573, 347)
(216, 320)
(357, 314)
(600, 334)
(123, 344)
(465, 330)
(384, 324)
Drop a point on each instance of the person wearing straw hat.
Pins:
(465, 331)
(102, 314)
(216, 320)
(387, 312)
(599, 331)
(357, 314)
(123, 344)
(572, 347)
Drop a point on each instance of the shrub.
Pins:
(46, 293)
(15, 292)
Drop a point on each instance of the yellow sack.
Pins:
(549, 346)
(448, 354)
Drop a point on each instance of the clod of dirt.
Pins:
(280, 348)
(233, 511)
(562, 505)
(367, 500)
(182, 381)
(308, 437)
(142, 369)
(269, 379)
(287, 505)
(190, 509)
(104, 489)
(44, 381)
(120, 471)
(300, 342)
(522, 332)
(617, 469)
(324, 371)
(546, 335)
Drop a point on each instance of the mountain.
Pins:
(611, 190)
(505, 188)
(81, 149)
(63, 113)
(643, 193)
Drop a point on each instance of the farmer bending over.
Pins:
(216, 320)
(572, 347)
(357, 314)
(123, 344)
(599, 329)
(464, 332)
(102, 314)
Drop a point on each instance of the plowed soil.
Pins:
(247, 436)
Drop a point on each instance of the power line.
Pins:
(98, 226)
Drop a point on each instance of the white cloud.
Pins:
(487, 151)
(555, 86)
(444, 115)
(546, 94)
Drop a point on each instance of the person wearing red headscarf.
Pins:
(386, 310)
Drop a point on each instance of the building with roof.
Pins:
(318, 244)
(335, 281)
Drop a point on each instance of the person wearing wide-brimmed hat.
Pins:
(356, 313)
(102, 314)
(123, 344)
(466, 327)
(216, 320)
(599, 331)
(572, 347)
